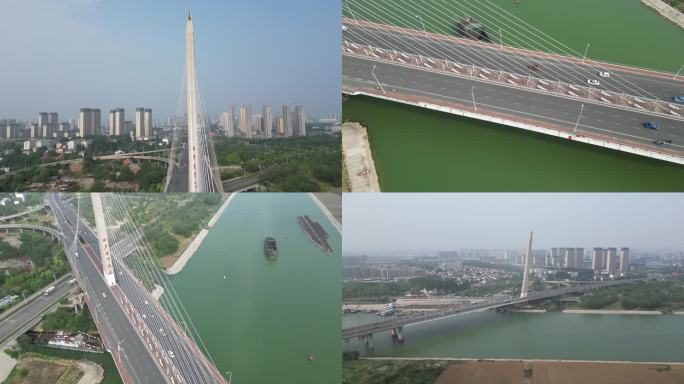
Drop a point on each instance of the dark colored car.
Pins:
(651, 125)
(533, 67)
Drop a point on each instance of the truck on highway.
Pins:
(49, 290)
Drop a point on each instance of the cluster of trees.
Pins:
(288, 164)
(48, 260)
(66, 319)
(150, 177)
(161, 240)
(647, 296)
(678, 4)
(384, 291)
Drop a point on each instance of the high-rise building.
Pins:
(624, 260)
(139, 123)
(570, 258)
(579, 258)
(53, 118)
(597, 259)
(228, 122)
(117, 122)
(280, 126)
(147, 120)
(89, 122)
(42, 119)
(611, 260)
(256, 126)
(287, 121)
(246, 121)
(299, 121)
(267, 122)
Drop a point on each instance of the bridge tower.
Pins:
(191, 92)
(526, 271)
(103, 240)
(203, 173)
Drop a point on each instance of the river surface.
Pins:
(553, 335)
(420, 150)
(265, 319)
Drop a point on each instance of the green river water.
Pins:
(420, 150)
(265, 318)
(553, 335)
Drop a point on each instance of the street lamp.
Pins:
(678, 72)
(500, 39)
(578, 119)
(376, 79)
(472, 92)
(585, 53)
(423, 24)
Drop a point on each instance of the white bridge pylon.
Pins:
(202, 175)
(103, 240)
(526, 271)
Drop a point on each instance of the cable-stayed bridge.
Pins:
(197, 169)
(475, 299)
(423, 53)
(139, 315)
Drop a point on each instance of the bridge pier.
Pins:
(398, 334)
(368, 341)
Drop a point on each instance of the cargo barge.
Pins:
(316, 233)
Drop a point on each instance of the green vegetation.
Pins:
(65, 319)
(392, 372)
(294, 164)
(354, 291)
(665, 296)
(48, 261)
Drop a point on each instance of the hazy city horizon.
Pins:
(97, 71)
(398, 223)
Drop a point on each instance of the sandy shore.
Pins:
(183, 259)
(6, 362)
(326, 212)
(611, 312)
(666, 11)
(92, 373)
(358, 159)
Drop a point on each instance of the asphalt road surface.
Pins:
(490, 56)
(113, 323)
(623, 125)
(15, 322)
(166, 332)
(239, 184)
(179, 180)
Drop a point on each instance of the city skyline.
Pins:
(229, 39)
(397, 223)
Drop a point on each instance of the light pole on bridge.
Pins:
(472, 92)
(585, 53)
(678, 72)
(376, 80)
(423, 24)
(578, 119)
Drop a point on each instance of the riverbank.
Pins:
(183, 259)
(611, 312)
(333, 220)
(666, 11)
(358, 159)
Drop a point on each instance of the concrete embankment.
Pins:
(666, 10)
(179, 264)
(333, 220)
(358, 159)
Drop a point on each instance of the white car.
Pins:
(344, 28)
(593, 82)
(104, 294)
(172, 355)
(144, 316)
(604, 74)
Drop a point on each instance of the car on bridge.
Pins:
(678, 99)
(533, 67)
(593, 82)
(652, 125)
(661, 143)
(604, 74)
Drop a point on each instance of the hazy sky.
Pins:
(61, 55)
(433, 222)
